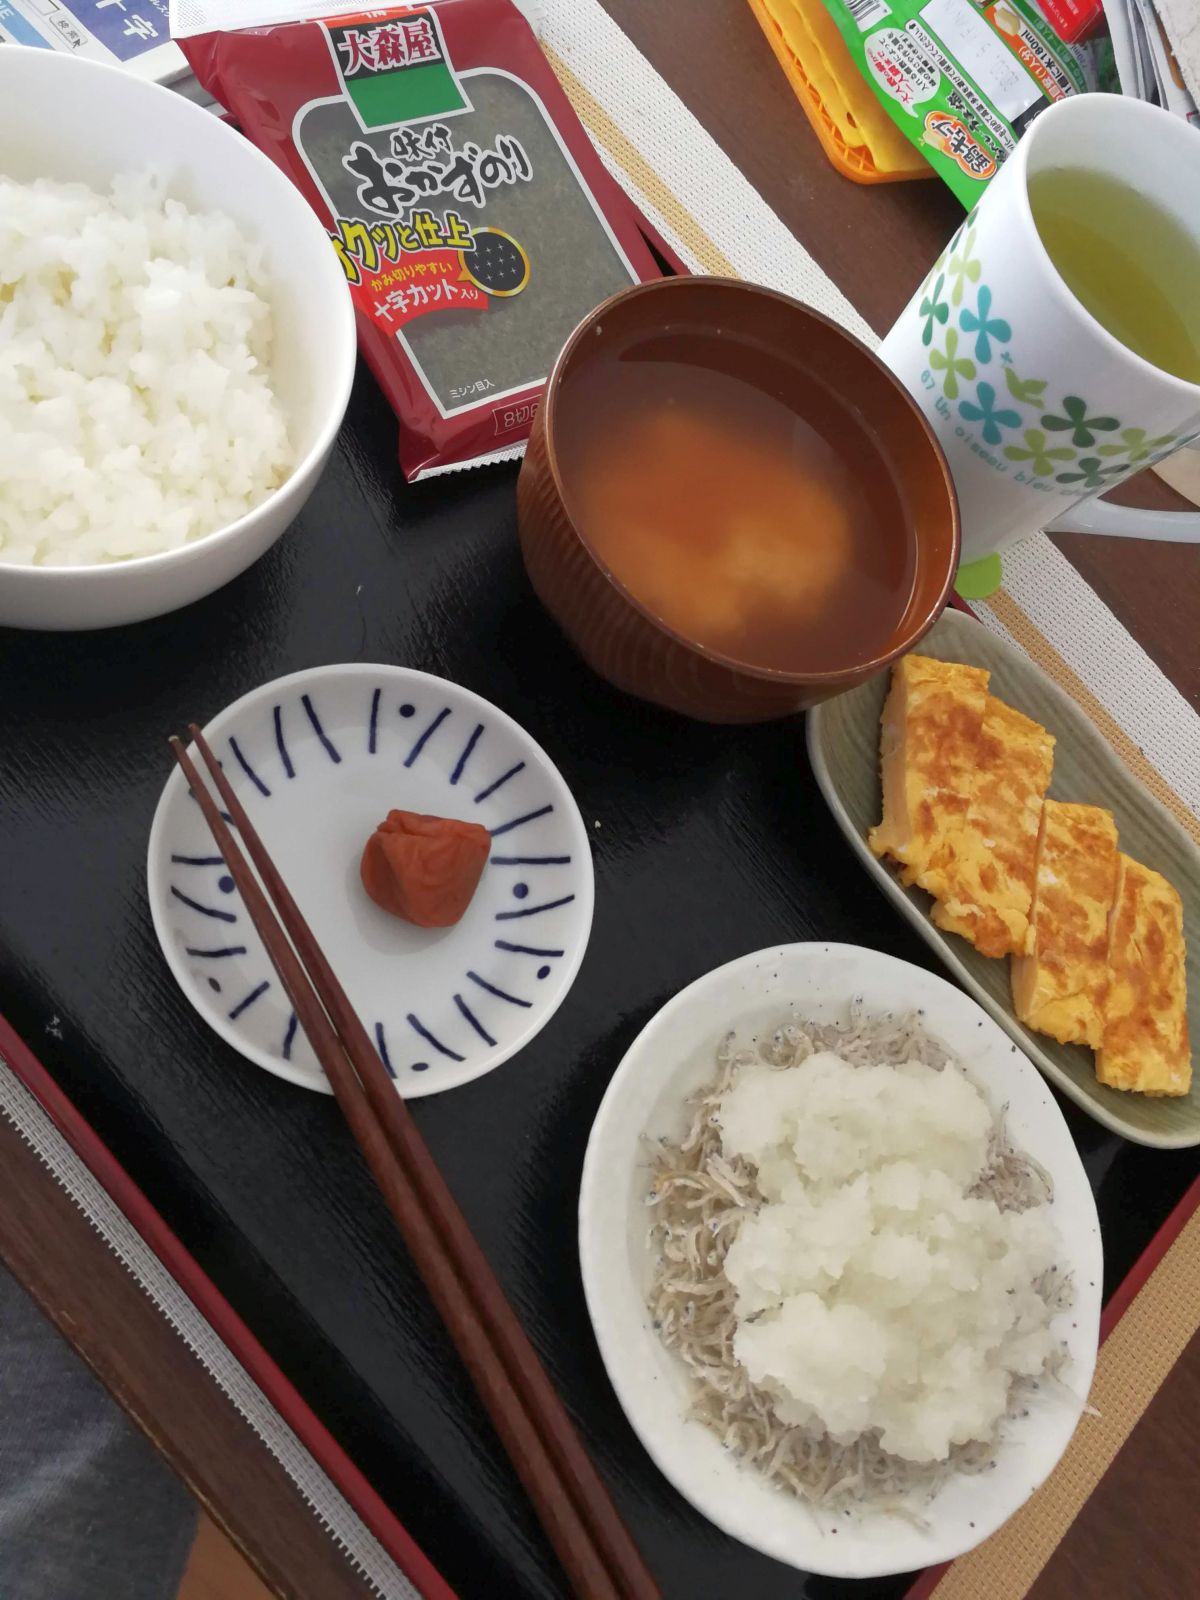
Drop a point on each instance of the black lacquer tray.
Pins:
(708, 842)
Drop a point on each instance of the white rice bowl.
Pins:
(137, 412)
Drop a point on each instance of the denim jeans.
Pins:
(88, 1511)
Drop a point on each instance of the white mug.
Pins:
(1037, 406)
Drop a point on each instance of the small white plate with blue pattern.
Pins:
(318, 759)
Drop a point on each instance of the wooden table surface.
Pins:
(1138, 1536)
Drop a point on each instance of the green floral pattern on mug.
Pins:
(1041, 456)
(934, 309)
(955, 366)
(1082, 428)
(986, 414)
(937, 266)
(952, 365)
(985, 327)
(964, 268)
(1137, 446)
(944, 256)
(1092, 472)
(1026, 390)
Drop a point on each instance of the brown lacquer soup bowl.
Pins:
(766, 335)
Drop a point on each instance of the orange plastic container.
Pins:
(856, 133)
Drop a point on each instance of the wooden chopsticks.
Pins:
(575, 1509)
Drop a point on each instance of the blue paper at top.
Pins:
(126, 27)
(18, 29)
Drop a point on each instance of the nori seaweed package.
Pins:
(474, 222)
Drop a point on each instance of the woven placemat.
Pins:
(1141, 1347)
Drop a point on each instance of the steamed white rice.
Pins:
(136, 407)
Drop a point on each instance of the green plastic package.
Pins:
(961, 78)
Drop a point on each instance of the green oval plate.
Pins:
(843, 746)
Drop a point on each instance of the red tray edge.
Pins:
(196, 1283)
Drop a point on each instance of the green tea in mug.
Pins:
(1128, 261)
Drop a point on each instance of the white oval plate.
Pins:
(673, 1056)
(318, 759)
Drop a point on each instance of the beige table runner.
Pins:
(1134, 1362)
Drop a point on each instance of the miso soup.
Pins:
(738, 499)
